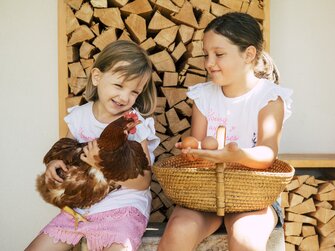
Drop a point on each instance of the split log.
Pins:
(185, 16)
(159, 22)
(85, 13)
(309, 202)
(110, 17)
(163, 61)
(81, 34)
(139, 7)
(105, 38)
(137, 27)
(74, 4)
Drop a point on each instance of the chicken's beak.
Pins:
(131, 127)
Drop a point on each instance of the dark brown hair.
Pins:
(243, 31)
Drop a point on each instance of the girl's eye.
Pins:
(118, 85)
(135, 93)
(219, 54)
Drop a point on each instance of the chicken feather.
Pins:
(83, 185)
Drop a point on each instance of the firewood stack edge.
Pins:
(309, 206)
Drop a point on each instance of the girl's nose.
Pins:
(209, 62)
(124, 97)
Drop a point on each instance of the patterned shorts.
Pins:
(124, 226)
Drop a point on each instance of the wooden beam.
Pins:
(62, 67)
(266, 25)
(309, 160)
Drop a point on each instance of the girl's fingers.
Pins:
(63, 166)
(232, 147)
(95, 144)
(178, 145)
(211, 155)
(85, 149)
(55, 176)
(83, 157)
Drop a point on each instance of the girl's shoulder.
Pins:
(202, 90)
(146, 131)
(80, 109)
(79, 117)
(270, 91)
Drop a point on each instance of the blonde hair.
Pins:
(139, 66)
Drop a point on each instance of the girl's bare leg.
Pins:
(186, 228)
(44, 242)
(115, 247)
(250, 231)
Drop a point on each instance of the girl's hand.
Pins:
(51, 170)
(216, 156)
(91, 153)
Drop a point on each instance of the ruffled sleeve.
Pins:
(146, 131)
(199, 94)
(71, 120)
(273, 94)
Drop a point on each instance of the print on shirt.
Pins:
(84, 137)
(214, 121)
(254, 140)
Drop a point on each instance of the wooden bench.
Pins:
(217, 241)
(309, 160)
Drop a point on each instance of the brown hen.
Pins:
(83, 185)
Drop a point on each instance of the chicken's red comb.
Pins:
(131, 115)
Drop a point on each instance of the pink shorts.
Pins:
(124, 226)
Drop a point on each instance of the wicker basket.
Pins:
(221, 188)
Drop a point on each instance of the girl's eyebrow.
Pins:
(217, 47)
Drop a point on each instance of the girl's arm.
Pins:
(270, 121)
(52, 166)
(199, 124)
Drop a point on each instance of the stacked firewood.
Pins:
(309, 206)
(171, 31)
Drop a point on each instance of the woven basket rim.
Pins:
(224, 189)
(230, 166)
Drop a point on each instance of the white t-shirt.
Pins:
(240, 114)
(85, 127)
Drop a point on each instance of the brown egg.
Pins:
(209, 143)
(190, 142)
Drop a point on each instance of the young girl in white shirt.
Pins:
(252, 108)
(120, 81)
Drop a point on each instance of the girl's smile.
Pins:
(116, 93)
(227, 65)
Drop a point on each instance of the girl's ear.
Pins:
(95, 75)
(250, 54)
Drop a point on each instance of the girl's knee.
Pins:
(178, 227)
(176, 232)
(115, 247)
(241, 240)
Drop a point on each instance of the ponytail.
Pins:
(266, 68)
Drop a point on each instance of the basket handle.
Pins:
(220, 167)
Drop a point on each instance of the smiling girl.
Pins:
(243, 97)
(120, 81)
